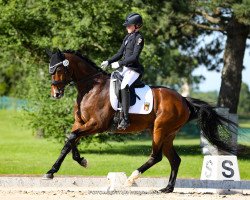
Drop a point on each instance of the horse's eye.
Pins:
(59, 69)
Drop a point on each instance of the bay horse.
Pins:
(93, 114)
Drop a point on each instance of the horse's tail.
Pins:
(212, 124)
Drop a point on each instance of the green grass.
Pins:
(245, 125)
(23, 153)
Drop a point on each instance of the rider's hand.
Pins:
(115, 65)
(104, 64)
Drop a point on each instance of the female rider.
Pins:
(126, 61)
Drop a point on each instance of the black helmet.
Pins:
(133, 18)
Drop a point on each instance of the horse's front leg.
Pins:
(71, 142)
(77, 157)
(81, 130)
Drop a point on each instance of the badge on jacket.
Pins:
(139, 41)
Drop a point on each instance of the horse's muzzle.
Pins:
(57, 94)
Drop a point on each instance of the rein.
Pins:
(86, 79)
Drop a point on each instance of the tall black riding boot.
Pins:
(125, 107)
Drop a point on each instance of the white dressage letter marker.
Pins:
(220, 168)
(223, 168)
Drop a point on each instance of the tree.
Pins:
(231, 18)
(28, 27)
(172, 45)
(210, 97)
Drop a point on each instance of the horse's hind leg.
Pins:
(155, 157)
(77, 157)
(174, 160)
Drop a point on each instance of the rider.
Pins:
(129, 66)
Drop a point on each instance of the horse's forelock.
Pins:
(56, 58)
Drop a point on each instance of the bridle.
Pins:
(52, 71)
(65, 63)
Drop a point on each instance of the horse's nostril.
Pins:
(57, 94)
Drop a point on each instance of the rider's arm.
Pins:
(119, 54)
(137, 50)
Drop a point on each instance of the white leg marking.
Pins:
(135, 175)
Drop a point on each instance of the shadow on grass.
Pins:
(244, 152)
(145, 150)
(138, 150)
(135, 150)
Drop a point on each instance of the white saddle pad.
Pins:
(143, 106)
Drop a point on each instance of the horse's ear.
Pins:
(48, 52)
(60, 53)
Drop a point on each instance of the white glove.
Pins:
(104, 64)
(115, 65)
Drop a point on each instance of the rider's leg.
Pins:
(129, 78)
(125, 107)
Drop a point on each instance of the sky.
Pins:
(213, 79)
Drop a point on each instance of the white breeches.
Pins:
(129, 77)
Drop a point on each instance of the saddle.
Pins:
(141, 98)
(116, 79)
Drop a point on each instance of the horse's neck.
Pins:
(89, 81)
(82, 70)
(98, 85)
(87, 77)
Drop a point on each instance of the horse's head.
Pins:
(71, 66)
(60, 75)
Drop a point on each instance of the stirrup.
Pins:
(123, 124)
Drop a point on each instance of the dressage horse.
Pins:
(93, 114)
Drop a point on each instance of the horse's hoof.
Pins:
(128, 183)
(48, 177)
(131, 180)
(167, 190)
(84, 163)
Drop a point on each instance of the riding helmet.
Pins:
(133, 18)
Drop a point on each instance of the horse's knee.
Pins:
(69, 143)
(72, 137)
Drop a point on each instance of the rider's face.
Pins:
(130, 28)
